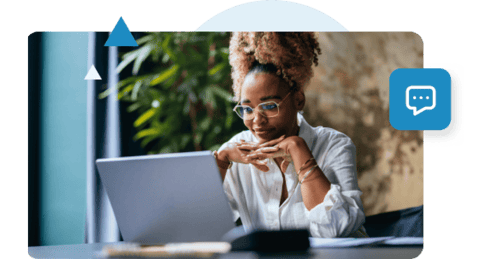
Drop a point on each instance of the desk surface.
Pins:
(94, 251)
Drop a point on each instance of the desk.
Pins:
(94, 251)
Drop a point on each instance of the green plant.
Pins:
(183, 98)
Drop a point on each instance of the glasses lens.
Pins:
(244, 111)
(269, 109)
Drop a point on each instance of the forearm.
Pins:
(315, 186)
(220, 159)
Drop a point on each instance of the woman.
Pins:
(282, 173)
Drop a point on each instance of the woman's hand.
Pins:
(238, 152)
(273, 149)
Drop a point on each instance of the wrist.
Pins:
(222, 159)
(306, 168)
(306, 174)
(294, 144)
(222, 155)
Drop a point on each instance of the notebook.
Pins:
(165, 198)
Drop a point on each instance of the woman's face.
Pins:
(261, 87)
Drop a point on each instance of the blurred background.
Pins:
(173, 93)
(350, 93)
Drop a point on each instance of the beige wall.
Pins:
(350, 93)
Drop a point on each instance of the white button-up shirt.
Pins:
(254, 195)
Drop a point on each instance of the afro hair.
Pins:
(292, 54)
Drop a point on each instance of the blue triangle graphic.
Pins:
(121, 36)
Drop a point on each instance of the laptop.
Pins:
(167, 198)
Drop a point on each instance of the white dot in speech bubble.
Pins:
(413, 108)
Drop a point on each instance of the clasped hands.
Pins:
(256, 154)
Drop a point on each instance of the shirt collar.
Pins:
(305, 131)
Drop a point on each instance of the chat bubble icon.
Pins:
(420, 98)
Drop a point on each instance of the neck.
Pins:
(294, 132)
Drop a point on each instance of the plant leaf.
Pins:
(208, 97)
(135, 90)
(146, 133)
(229, 118)
(144, 117)
(133, 107)
(198, 138)
(216, 68)
(205, 123)
(120, 84)
(144, 39)
(166, 49)
(127, 59)
(106, 93)
(143, 54)
(147, 140)
(222, 93)
(185, 139)
(165, 75)
(125, 91)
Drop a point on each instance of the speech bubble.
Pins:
(420, 98)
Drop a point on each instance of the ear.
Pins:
(299, 100)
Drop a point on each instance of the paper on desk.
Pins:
(404, 241)
(352, 242)
(197, 249)
(345, 242)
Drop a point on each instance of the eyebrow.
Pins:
(263, 98)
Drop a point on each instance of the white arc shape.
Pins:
(238, 18)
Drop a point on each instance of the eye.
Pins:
(247, 110)
(269, 106)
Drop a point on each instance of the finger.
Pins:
(273, 142)
(281, 153)
(246, 148)
(253, 144)
(255, 161)
(252, 156)
(261, 161)
(259, 156)
(284, 165)
(247, 144)
(268, 149)
(288, 158)
(261, 167)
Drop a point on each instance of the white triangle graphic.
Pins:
(92, 74)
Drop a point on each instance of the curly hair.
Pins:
(292, 54)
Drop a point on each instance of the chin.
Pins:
(266, 136)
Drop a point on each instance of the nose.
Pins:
(258, 117)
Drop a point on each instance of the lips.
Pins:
(261, 131)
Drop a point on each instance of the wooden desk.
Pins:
(94, 251)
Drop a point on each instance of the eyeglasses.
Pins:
(267, 109)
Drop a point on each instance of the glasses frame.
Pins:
(260, 110)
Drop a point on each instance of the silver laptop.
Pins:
(167, 198)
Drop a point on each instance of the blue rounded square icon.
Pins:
(420, 99)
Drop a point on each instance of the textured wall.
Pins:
(350, 93)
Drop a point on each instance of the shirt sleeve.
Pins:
(341, 213)
(230, 184)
